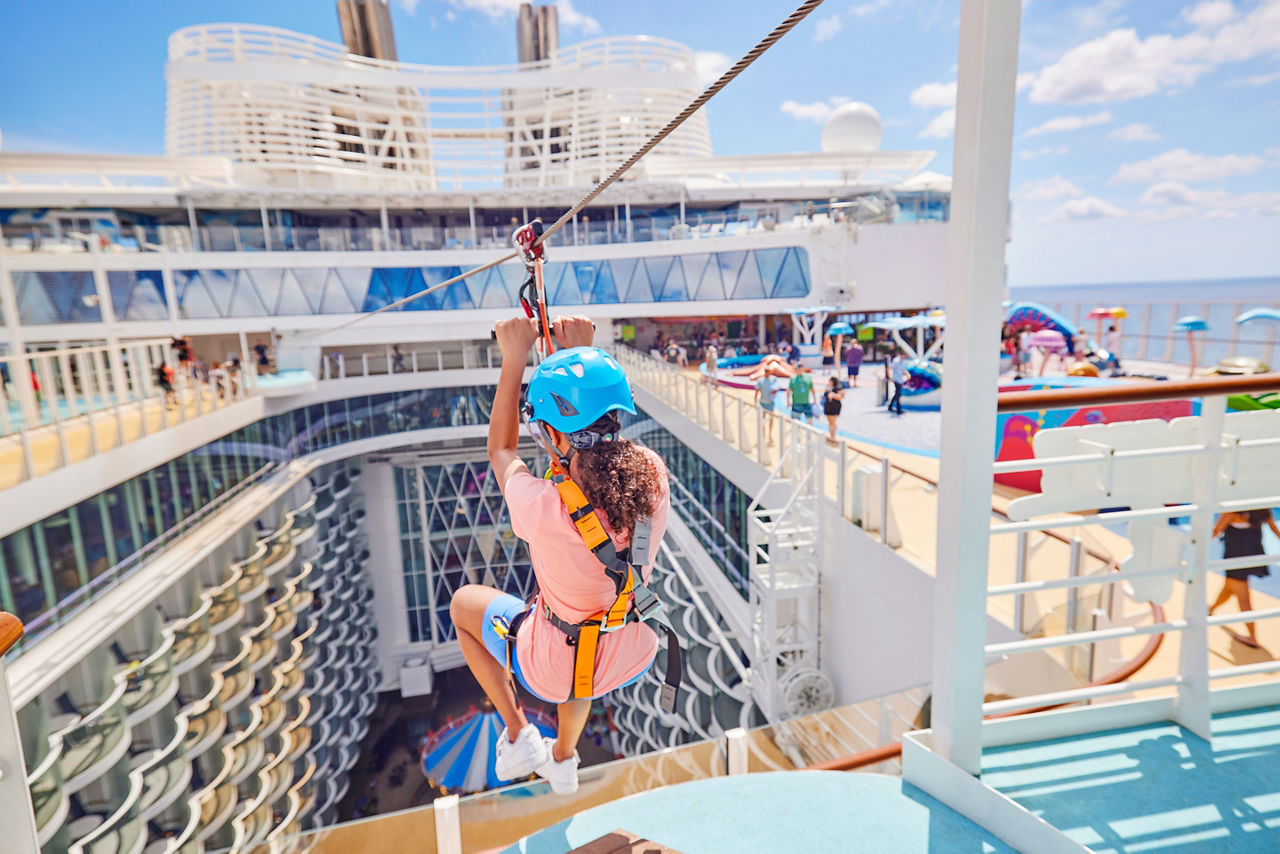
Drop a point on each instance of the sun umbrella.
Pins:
(1099, 314)
(1253, 315)
(1191, 324)
(460, 756)
(839, 329)
(1049, 339)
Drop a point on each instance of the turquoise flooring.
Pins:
(781, 811)
(1154, 788)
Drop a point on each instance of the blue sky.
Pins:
(1147, 143)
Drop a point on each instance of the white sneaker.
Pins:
(520, 758)
(562, 774)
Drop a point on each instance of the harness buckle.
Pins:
(646, 603)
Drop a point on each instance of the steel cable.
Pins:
(696, 104)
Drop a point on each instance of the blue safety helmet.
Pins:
(570, 390)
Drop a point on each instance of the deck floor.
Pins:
(1155, 787)
(781, 811)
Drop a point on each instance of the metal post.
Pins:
(1193, 710)
(884, 500)
(988, 62)
(1073, 593)
(841, 491)
(16, 814)
(471, 208)
(448, 825)
(386, 225)
(735, 747)
(1020, 575)
(266, 224)
(196, 243)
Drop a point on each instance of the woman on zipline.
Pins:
(573, 400)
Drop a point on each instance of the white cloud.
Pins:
(710, 64)
(409, 6)
(1182, 165)
(1068, 123)
(1120, 65)
(1055, 187)
(1088, 208)
(1169, 193)
(1025, 81)
(935, 95)
(1257, 79)
(863, 10)
(568, 15)
(1135, 133)
(1099, 16)
(1034, 153)
(1221, 213)
(942, 126)
(827, 28)
(815, 111)
(1210, 14)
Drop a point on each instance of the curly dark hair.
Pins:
(620, 480)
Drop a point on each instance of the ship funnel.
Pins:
(366, 28)
(537, 32)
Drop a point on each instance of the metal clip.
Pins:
(526, 242)
(668, 701)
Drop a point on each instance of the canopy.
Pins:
(1271, 315)
(460, 757)
(1050, 339)
(840, 328)
(1191, 323)
(1118, 311)
(817, 309)
(1099, 312)
(919, 321)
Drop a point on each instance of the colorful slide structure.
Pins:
(1036, 316)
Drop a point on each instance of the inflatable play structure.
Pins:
(460, 756)
(924, 373)
(1015, 431)
(1040, 318)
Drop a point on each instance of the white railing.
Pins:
(62, 406)
(1211, 481)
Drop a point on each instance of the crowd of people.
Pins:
(222, 376)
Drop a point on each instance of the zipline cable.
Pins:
(696, 104)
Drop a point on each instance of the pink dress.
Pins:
(573, 582)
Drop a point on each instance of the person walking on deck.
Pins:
(831, 397)
(1242, 537)
(898, 377)
(800, 392)
(573, 402)
(853, 361)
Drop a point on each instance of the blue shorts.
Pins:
(802, 410)
(505, 608)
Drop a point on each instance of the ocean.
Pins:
(1154, 307)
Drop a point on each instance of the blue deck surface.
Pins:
(781, 811)
(1153, 788)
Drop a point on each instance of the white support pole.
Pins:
(16, 815)
(1193, 711)
(266, 224)
(735, 743)
(975, 266)
(386, 226)
(448, 825)
(196, 243)
(471, 208)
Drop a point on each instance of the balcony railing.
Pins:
(58, 407)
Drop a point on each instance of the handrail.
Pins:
(1025, 401)
(893, 751)
(10, 632)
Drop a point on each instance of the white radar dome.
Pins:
(852, 127)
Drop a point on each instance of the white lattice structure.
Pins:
(302, 108)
